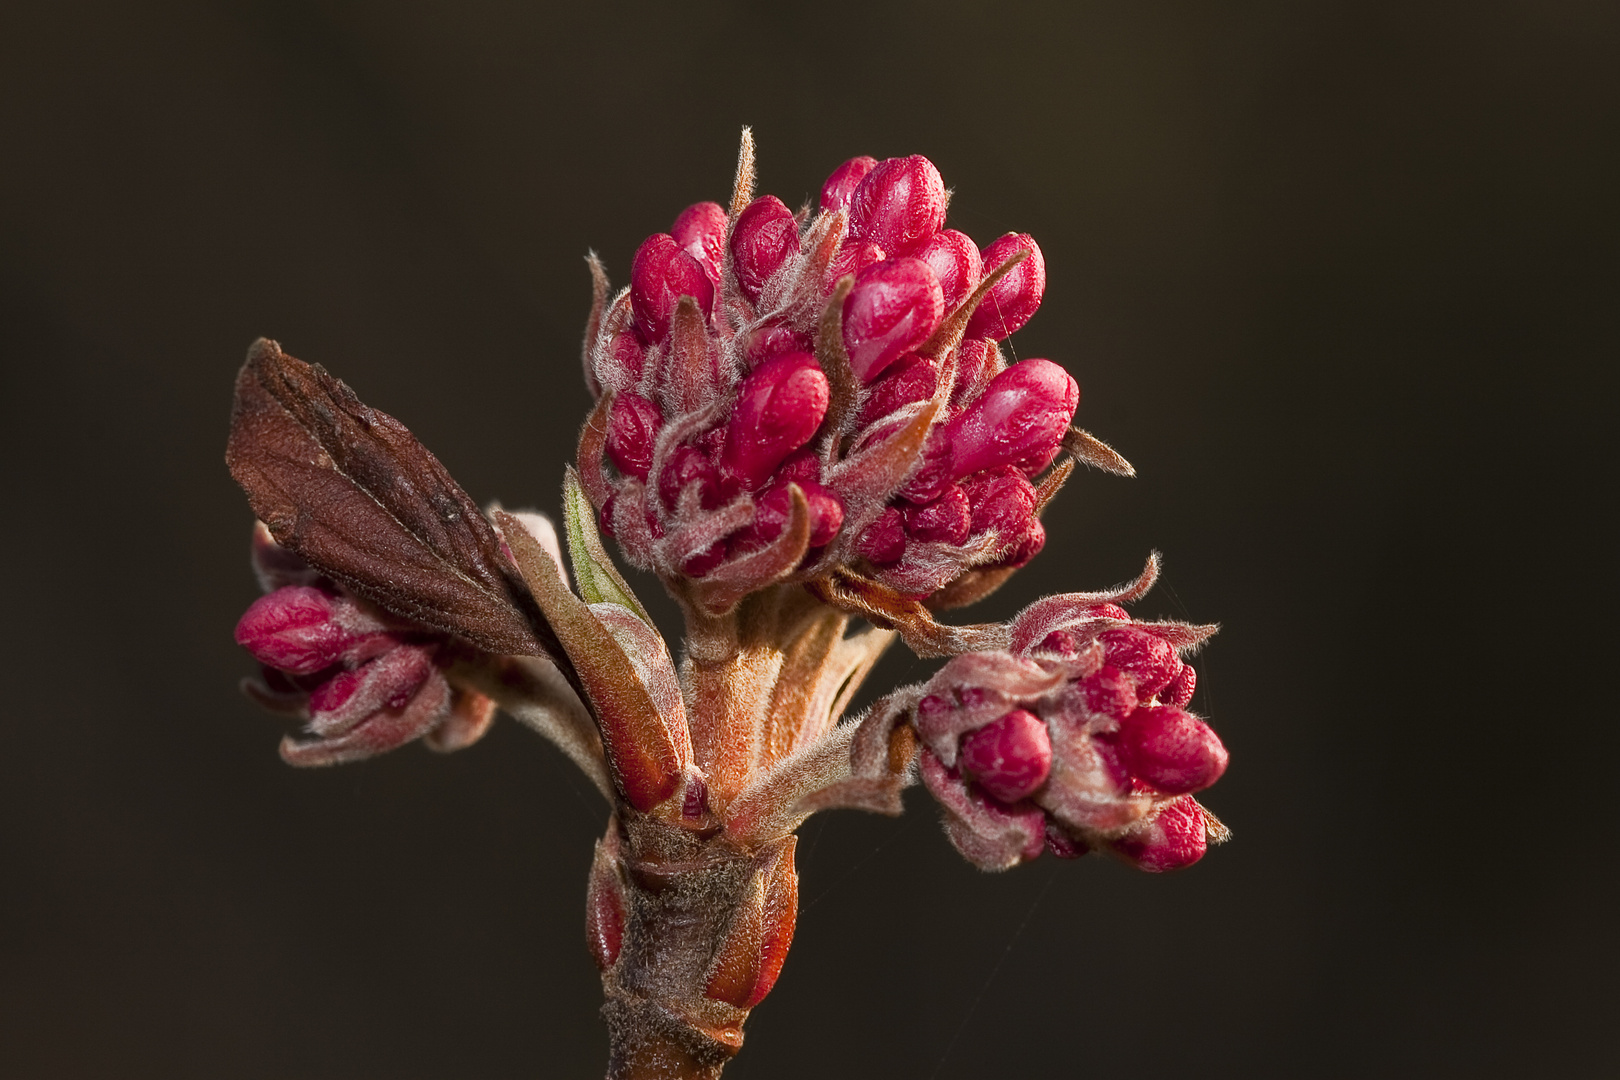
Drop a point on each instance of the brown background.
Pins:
(1340, 279)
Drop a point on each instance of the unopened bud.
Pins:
(689, 467)
(899, 205)
(1143, 656)
(1019, 420)
(895, 306)
(910, 379)
(774, 507)
(296, 630)
(955, 260)
(701, 233)
(765, 238)
(660, 275)
(1109, 694)
(946, 520)
(1180, 690)
(1172, 839)
(1003, 502)
(836, 192)
(779, 407)
(1012, 301)
(770, 340)
(1171, 750)
(1009, 758)
(632, 431)
(883, 542)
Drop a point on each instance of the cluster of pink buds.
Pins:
(362, 681)
(1076, 738)
(784, 393)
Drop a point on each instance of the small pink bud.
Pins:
(1019, 420)
(1109, 693)
(1170, 750)
(293, 629)
(835, 193)
(1009, 758)
(606, 516)
(895, 306)
(779, 407)
(387, 683)
(945, 520)
(1143, 656)
(688, 467)
(955, 260)
(774, 506)
(852, 258)
(701, 233)
(765, 238)
(632, 430)
(659, 276)
(770, 340)
(1062, 643)
(883, 542)
(899, 205)
(1003, 502)
(1180, 690)
(1169, 841)
(1012, 301)
(910, 379)
(799, 467)
(625, 361)
(1027, 546)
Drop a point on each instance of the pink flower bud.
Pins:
(301, 630)
(1061, 642)
(799, 467)
(945, 520)
(1169, 841)
(701, 233)
(1019, 420)
(955, 260)
(1027, 546)
(1012, 301)
(1003, 502)
(1009, 758)
(779, 407)
(774, 507)
(899, 206)
(632, 430)
(852, 258)
(910, 379)
(1109, 694)
(1170, 750)
(883, 542)
(765, 238)
(835, 193)
(659, 276)
(688, 467)
(770, 340)
(1143, 656)
(387, 683)
(896, 305)
(1180, 690)
(626, 359)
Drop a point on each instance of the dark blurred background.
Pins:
(1339, 278)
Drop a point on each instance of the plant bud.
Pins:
(1026, 546)
(386, 683)
(1012, 301)
(1110, 694)
(899, 206)
(632, 430)
(701, 233)
(883, 542)
(946, 520)
(799, 467)
(836, 192)
(955, 260)
(910, 379)
(704, 561)
(292, 629)
(1173, 839)
(1003, 502)
(779, 407)
(688, 467)
(1142, 655)
(766, 237)
(770, 340)
(659, 276)
(1019, 420)
(775, 505)
(895, 306)
(1180, 690)
(1009, 758)
(1170, 750)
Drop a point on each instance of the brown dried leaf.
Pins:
(352, 492)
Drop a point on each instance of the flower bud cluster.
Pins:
(1077, 739)
(851, 355)
(362, 683)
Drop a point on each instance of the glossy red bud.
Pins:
(1019, 420)
(955, 260)
(770, 340)
(632, 430)
(1182, 685)
(701, 233)
(292, 629)
(660, 275)
(689, 467)
(765, 238)
(800, 467)
(1009, 758)
(1171, 750)
(1003, 502)
(899, 205)
(895, 306)
(1173, 839)
(836, 192)
(1143, 656)
(910, 379)
(774, 507)
(946, 520)
(883, 542)
(1012, 301)
(779, 407)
